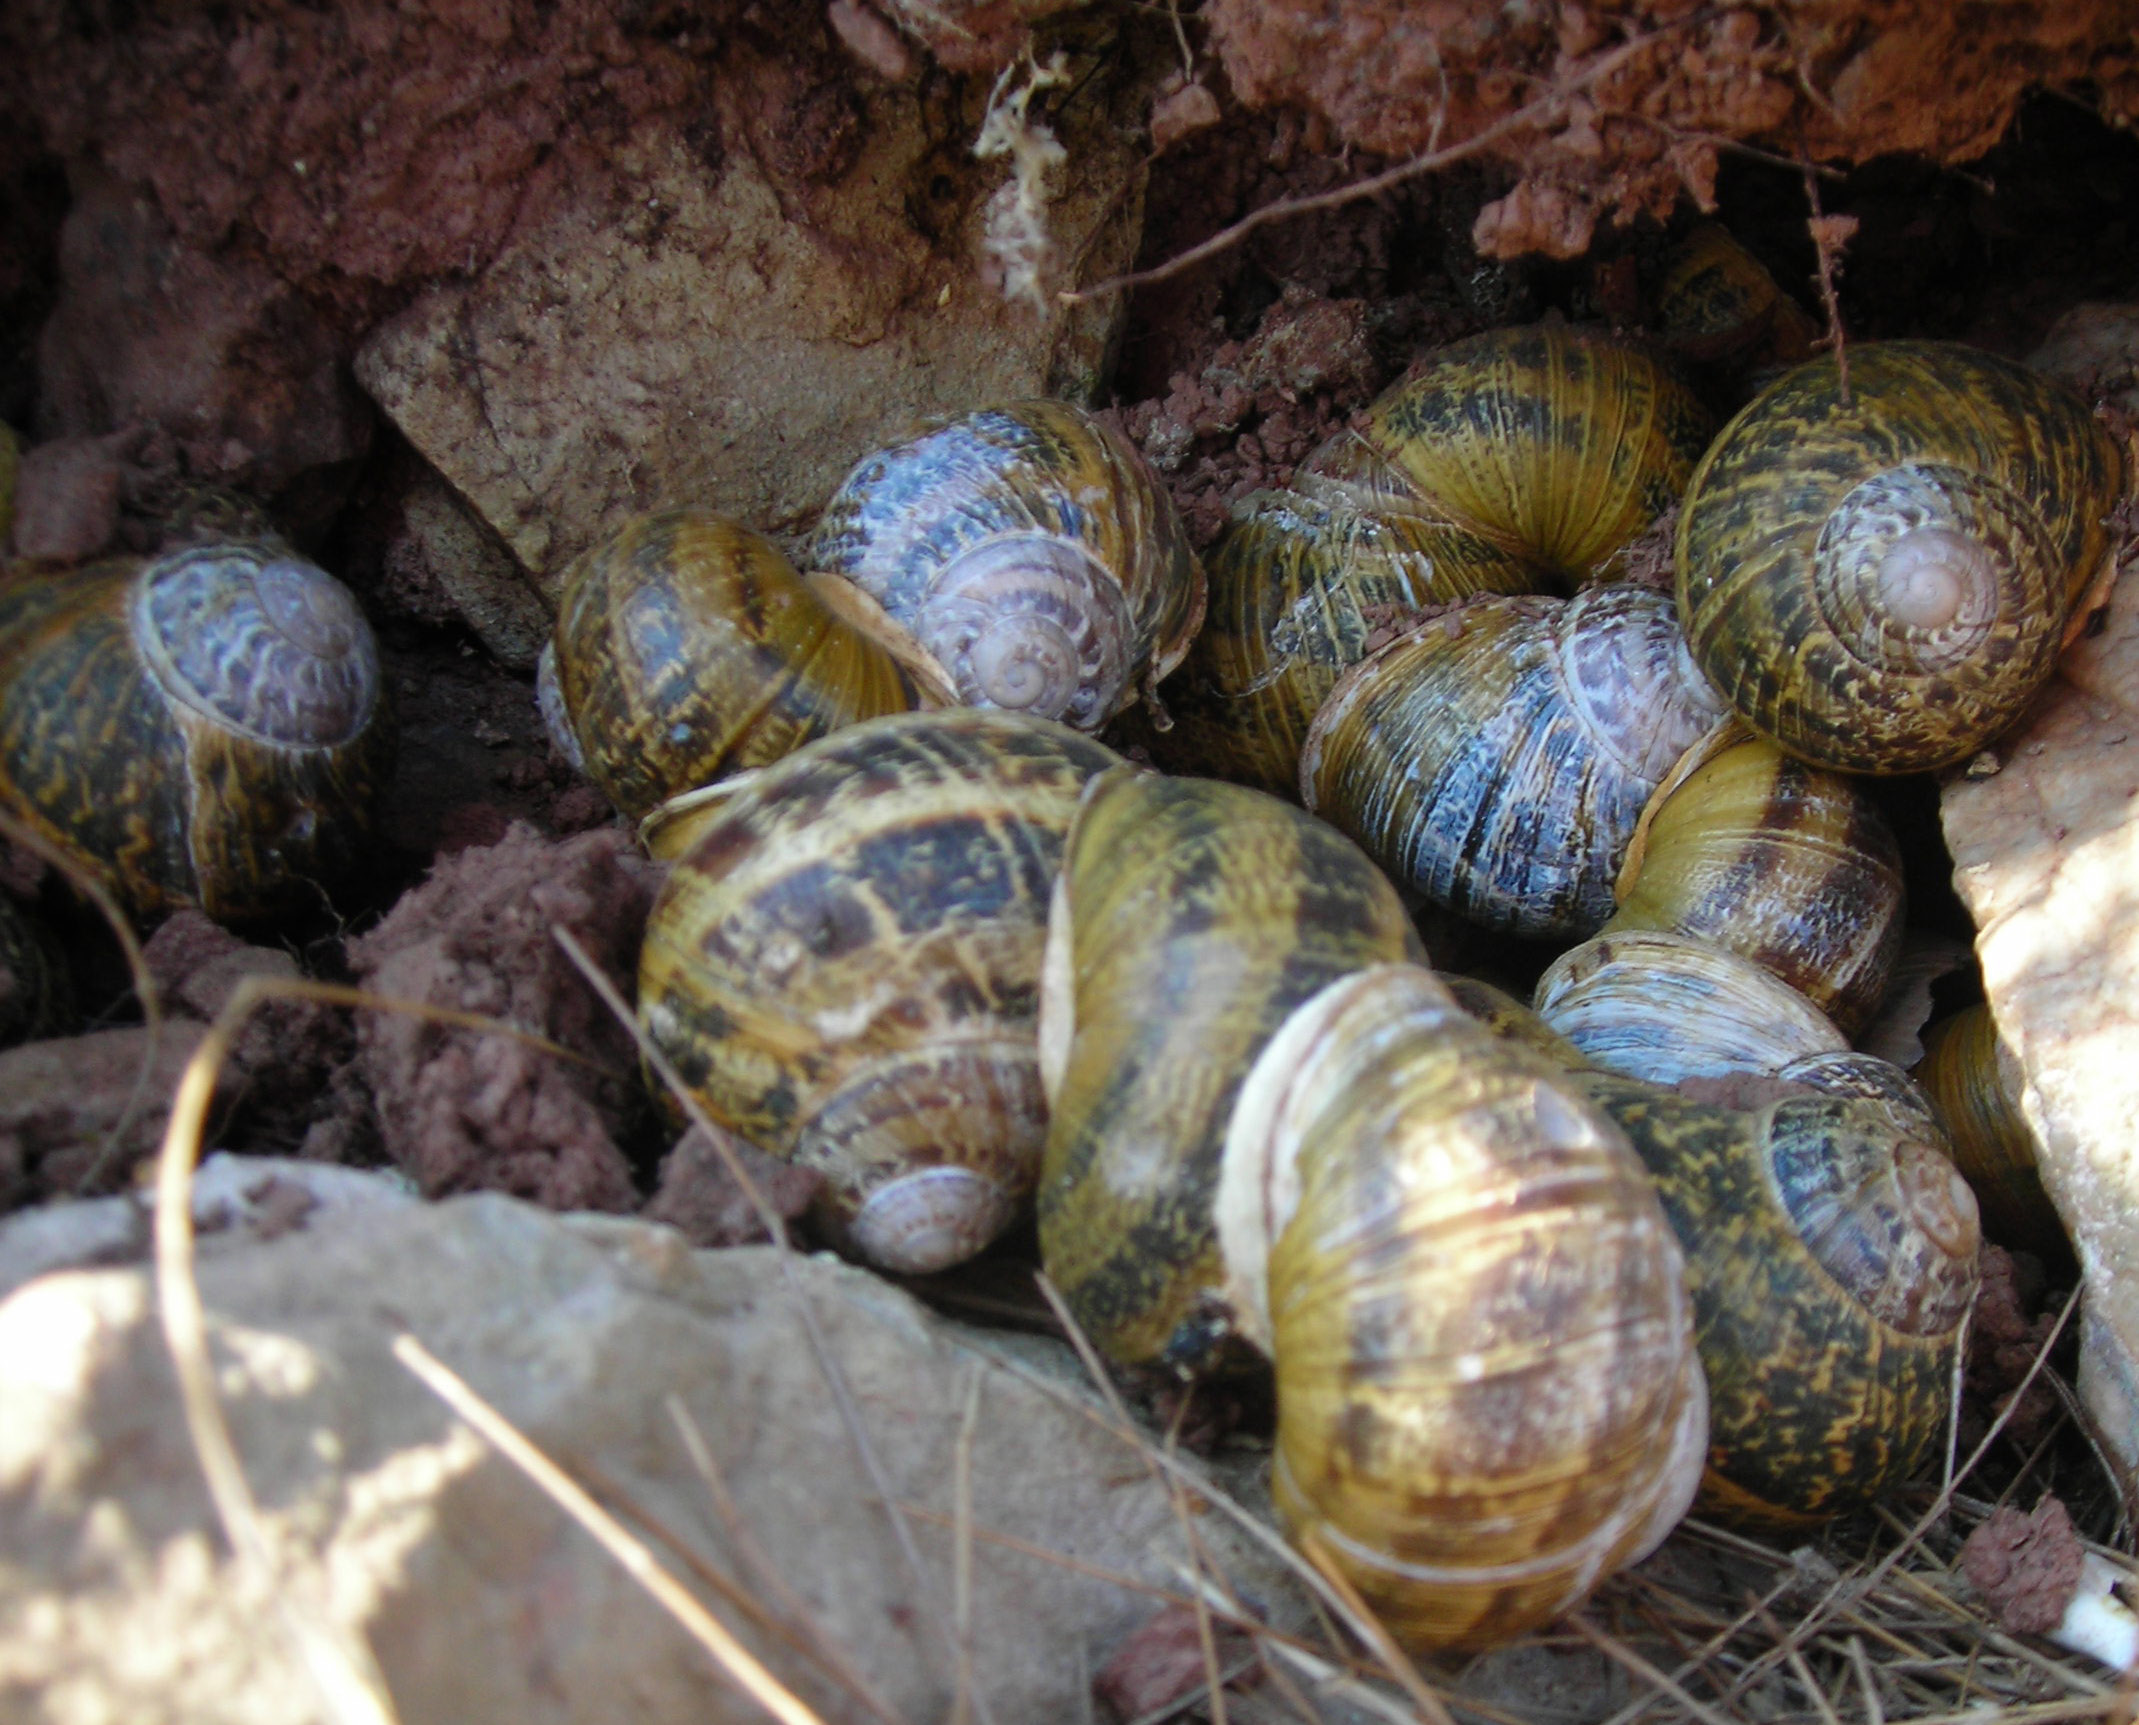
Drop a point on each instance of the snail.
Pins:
(1879, 582)
(207, 728)
(1831, 1253)
(1030, 552)
(687, 648)
(845, 968)
(1496, 759)
(1786, 865)
(1487, 1392)
(1717, 305)
(1517, 461)
(1975, 1084)
(1190, 918)
(1665, 1008)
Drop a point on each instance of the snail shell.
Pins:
(1488, 1397)
(845, 969)
(1191, 918)
(1784, 864)
(207, 728)
(1975, 1083)
(1666, 1008)
(1832, 1258)
(1517, 461)
(1030, 551)
(687, 648)
(1497, 759)
(1558, 445)
(1295, 584)
(1880, 584)
(1716, 304)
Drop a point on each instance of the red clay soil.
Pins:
(1654, 90)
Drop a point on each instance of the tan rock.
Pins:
(2046, 857)
(479, 1600)
(689, 333)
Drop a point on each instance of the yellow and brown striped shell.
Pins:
(1517, 461)
(1975, 1084)
(1880, 582)
(845, 969)
(1831, 1251)
(1487, 1392)
(208, 728)
(1030, 551)
(1558, 445)
(688, 648)
(1716, 304)
(1497, 759)
(1192, 917)
(1786, 865)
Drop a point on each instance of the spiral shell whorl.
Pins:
(1032, 625)
(1830, 1254)
(1038, 504)
(260, 640)
(1879, 584)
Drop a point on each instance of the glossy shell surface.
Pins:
(688, 648)
(845, 969)
(1879, 584)
(1665, 1008)
(1488, 1394)
(1193, 917)
(1497, 759)
(1975, 1084)
(1556, 444)
(1787, 865)
(1297, 587)
(1832, 1258)
(206, 729)
(1030, 550)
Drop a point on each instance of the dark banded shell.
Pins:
(1784, 864)
(687, 648)
(1497, 759)
(1031, 551)
(1488, 1394)
(1880, 584)
(1192, 918)
(845, 969)
(1297, 585)
(1558, 445)
(207, 728)
(1975, 1083)
(1831, 1252)
(1716, 304)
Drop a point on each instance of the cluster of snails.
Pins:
(927, 936)
(963, 961)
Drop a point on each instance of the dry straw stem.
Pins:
(741, 1666)
(1428, 161)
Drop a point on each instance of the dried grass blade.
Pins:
(637, 1561)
